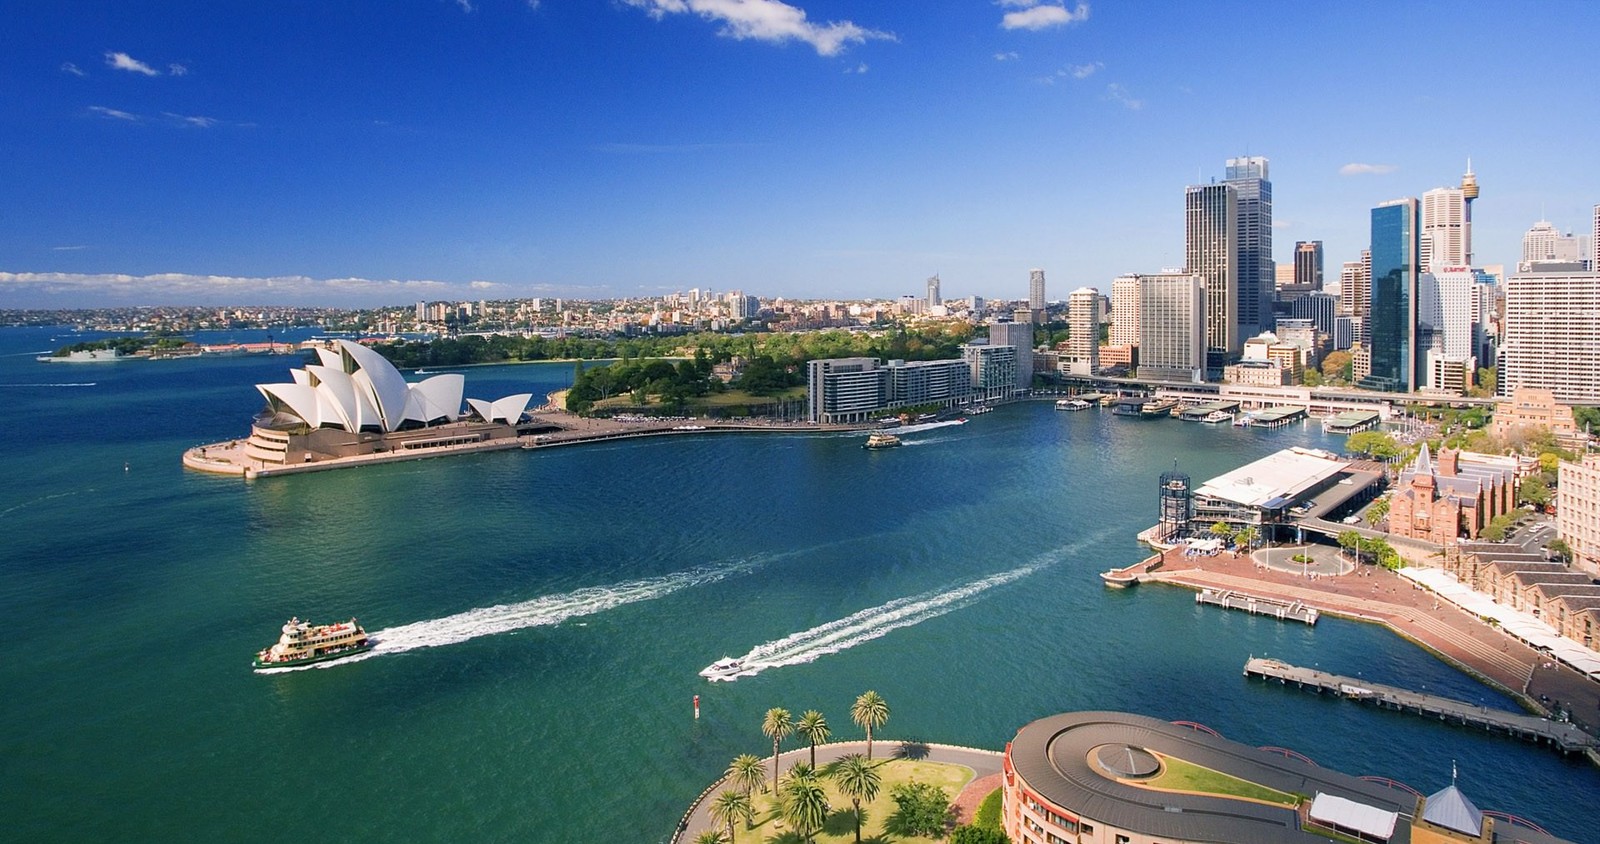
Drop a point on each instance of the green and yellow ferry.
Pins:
(303, 643)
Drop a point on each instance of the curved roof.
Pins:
(507, 410)
(1053, 756)
(354, 388)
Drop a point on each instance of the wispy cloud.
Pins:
(114, 114)
(192, 120)
(78, 248)
(1082, 71)
(860, 68)
(1006, 57)
(175, 287)
(466, 5)
(767, 20)
(69, 67)
(1119, 93)
(1356, 168)
(123, 61)
(486, 285)
(177, 70)
(1034, 15)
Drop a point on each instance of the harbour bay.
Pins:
(580, 590)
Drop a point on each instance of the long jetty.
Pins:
(1230, 599)
(1563, 736)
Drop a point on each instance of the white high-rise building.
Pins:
(1552, 334)
(1036, 300)
(1083, 331)
(1544, 242)
(1594, 243)
(1125, 310)
(1172, 326)
(1446, 234)
(1211, 233)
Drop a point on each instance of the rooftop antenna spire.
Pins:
(1452, 772)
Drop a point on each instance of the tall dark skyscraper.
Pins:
(1308, 265)
(1210, 250)
(1249, 178)
(1392, 314)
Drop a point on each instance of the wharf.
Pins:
(1562, 736)
(1282, 610)
(1197, 412)
(1274, 418)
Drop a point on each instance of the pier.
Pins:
(1282, 610)
(1561, 735)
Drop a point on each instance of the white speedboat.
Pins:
(726, 668)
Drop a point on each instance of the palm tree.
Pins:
(777, 725)
(815, 729)
(805, 804)
(729, 806)
(870, 710)
(711, 836)
(746, 772)
(858, 781)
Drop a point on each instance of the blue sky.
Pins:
(364, 152)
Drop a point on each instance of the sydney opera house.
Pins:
(353, 403)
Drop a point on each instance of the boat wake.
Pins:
(869, 624)
(538, 612)
(924, 426)
(74, 384)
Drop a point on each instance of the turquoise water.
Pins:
(603, 578)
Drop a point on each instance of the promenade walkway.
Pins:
(983, 763)
(1382, 597)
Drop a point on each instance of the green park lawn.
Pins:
(840, 826)
(1179, 775)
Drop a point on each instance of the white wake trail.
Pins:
(869, 624)
(538, 612)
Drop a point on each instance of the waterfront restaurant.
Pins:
(1282, 487)
(1119, 778)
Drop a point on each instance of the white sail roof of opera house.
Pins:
(353, 388)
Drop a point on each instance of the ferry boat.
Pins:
(1217, 417)
(726, 668)
(303, 643)
(1161, 407)
(881, 440)
(1072, 404)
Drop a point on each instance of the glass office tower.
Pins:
(1393, 305)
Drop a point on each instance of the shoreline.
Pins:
(1376, 596)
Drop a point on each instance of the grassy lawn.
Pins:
(1187, 776)
(840, 826)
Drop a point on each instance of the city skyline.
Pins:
(467, 150)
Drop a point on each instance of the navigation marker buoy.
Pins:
(697, 707)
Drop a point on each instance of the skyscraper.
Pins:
(1211, 234)
(1545, 242)
(1446, 233)
(1036, 289)
(1125, 310)
(1172, 327)
(1083, 331)
(1018, 335)
(1308, 265)
(1249, 178)
(1594, 243)
(1552, 334)
(1393, 310)
(933, 291)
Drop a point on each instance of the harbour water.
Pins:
(544, 616)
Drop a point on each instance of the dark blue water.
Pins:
(611, 573)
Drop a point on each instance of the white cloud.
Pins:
(1116, 91)
(466, 5)
(485, 285)
(766, 20)
(179, 287)
(193, 120)
(69, 67)
(1282, 224)
(113, 113)
(1082, 71)
(1359, 169)
(68, 248)
(1006, 57)
(1030, 16)
(177, 70)
(123, 61)
(860, 68)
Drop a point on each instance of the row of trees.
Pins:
(800, 798)
(1245, 536)
(1370, 549)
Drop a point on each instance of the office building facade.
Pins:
(1392, 310)
(1211, 234)
(992, 369)
(933, 292)
(1551, 336)
(1083, 332)
(1253, 189)
(1124, 310)
(1446, 229)
(1172, 327)
(1019, 336)
(1036, 300)
(1308, 264)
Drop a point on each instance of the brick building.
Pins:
(1455, 496)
